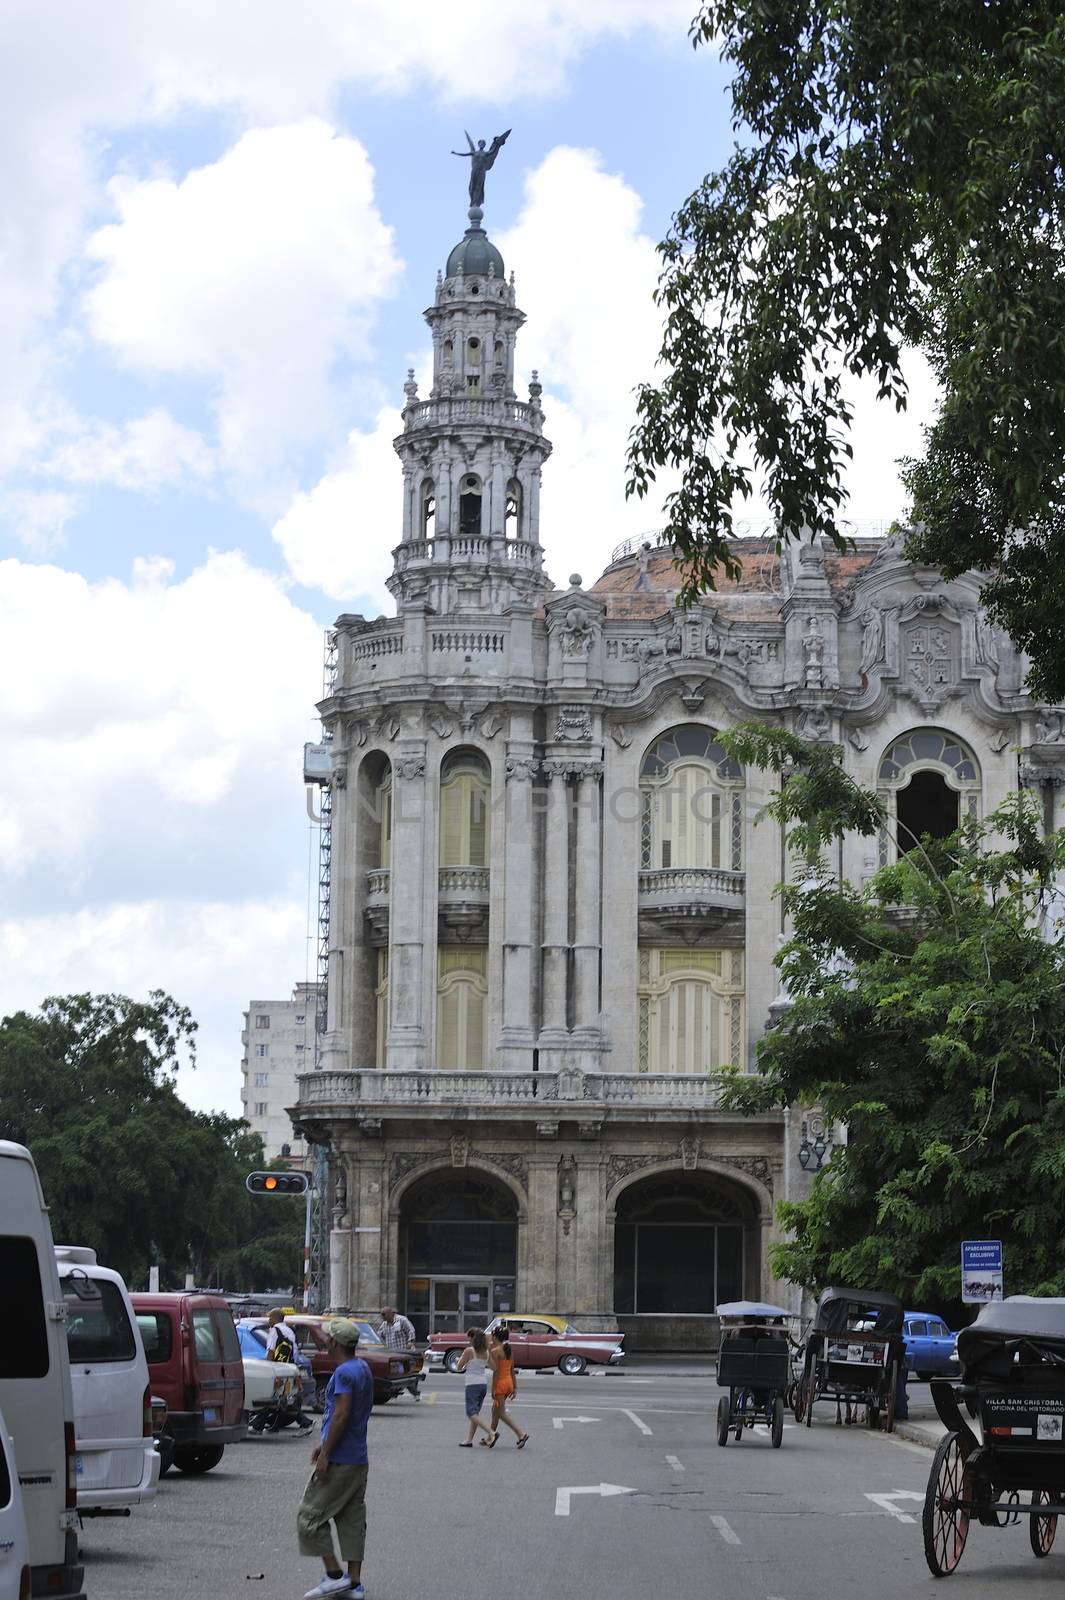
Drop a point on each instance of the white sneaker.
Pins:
(329, 1585)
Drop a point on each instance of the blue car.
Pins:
(930, 1345)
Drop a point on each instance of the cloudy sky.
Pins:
(222, 221)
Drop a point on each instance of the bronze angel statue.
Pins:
(480, 161)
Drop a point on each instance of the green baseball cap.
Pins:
(344, 1331)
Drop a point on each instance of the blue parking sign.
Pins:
(981, 1271)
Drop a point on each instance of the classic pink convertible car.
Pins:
(537, 1341)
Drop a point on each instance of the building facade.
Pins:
(553, 910)
(277, 1042)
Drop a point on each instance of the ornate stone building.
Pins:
(553, 907)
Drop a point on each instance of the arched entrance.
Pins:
(684, 1242)
(458, 1245)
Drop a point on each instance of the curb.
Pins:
(927, 1434)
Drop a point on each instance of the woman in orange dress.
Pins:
(504, 1388)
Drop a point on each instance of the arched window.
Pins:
(464, 811)
(473, 365)
(500, 355)
(691, 1010)
(928, 780)
(381, 998)
(692, 814)
(462, 989)
(448, 354)
(512, 522)
(470, 506)
(384, 817)
(428, 516)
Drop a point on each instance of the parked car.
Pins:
(117, 1462)
(14, 1540)
(268, 1385)
(194, 1364)
(308, 1387)
(392, 1370)
(537, 1341)
(35, 1392)
(930, 1345)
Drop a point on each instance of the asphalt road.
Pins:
(828, 1515)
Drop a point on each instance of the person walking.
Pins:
(336, 1492)
(282, 1345)
(397, 1332)
(504, 1388)
(473, 1363)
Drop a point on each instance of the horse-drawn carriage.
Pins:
(754, 1362)
(1013, 1384)
(853, 1355)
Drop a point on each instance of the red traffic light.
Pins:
(277, 1182)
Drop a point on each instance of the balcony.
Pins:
(377, 903)
(462, 902)
(689, 901)
(541, 1098)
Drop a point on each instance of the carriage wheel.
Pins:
(1041, 1530)
(776, 1433)
(722, 1420)
(944, 1523)
(798, 1400)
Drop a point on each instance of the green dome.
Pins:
(474, 255)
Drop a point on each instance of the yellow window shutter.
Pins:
(478, 819)
(451, 824)
(474, 1028)
(447, 1028)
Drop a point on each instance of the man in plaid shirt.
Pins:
(398, 1334)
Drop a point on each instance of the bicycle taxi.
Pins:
(754, 1361)
(853, 1355)
(1013, 1384)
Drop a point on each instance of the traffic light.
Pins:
(277, 1182)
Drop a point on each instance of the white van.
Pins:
(14, 1540)
(35, 1393)
(117, 1462)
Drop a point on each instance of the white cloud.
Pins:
(594, 333)
(339, 535)
(147, 454)
(257, 272)
(144, 721)
(37, 518)
(211, 955)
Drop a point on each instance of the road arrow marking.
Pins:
(886, 1502)
(634, 1418)
(729, 1535)
(558, 1421)
(605, 1490)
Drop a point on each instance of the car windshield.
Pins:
(250, 1347)
(368, 1333)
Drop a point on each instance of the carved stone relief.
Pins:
(459, 1145)
(689, 1154)
(407, 1161)
(573, 726)
(510, 1161)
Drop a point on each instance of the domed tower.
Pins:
(471, 452)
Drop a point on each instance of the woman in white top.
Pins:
(473, 1364)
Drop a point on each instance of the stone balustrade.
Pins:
(378, 882)
(484, 409)
(698, 883)
(565, 1093)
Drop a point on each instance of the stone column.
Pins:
(519, 913)
(587, 908)
(496, 524)
(553, 1028)
(406, 976)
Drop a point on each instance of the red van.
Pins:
(194, 1364)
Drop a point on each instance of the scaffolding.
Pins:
(317, 1283)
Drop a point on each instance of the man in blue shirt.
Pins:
(337, 1489)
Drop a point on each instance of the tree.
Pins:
(928, 1015)
(897, 180)
(88, 1084)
